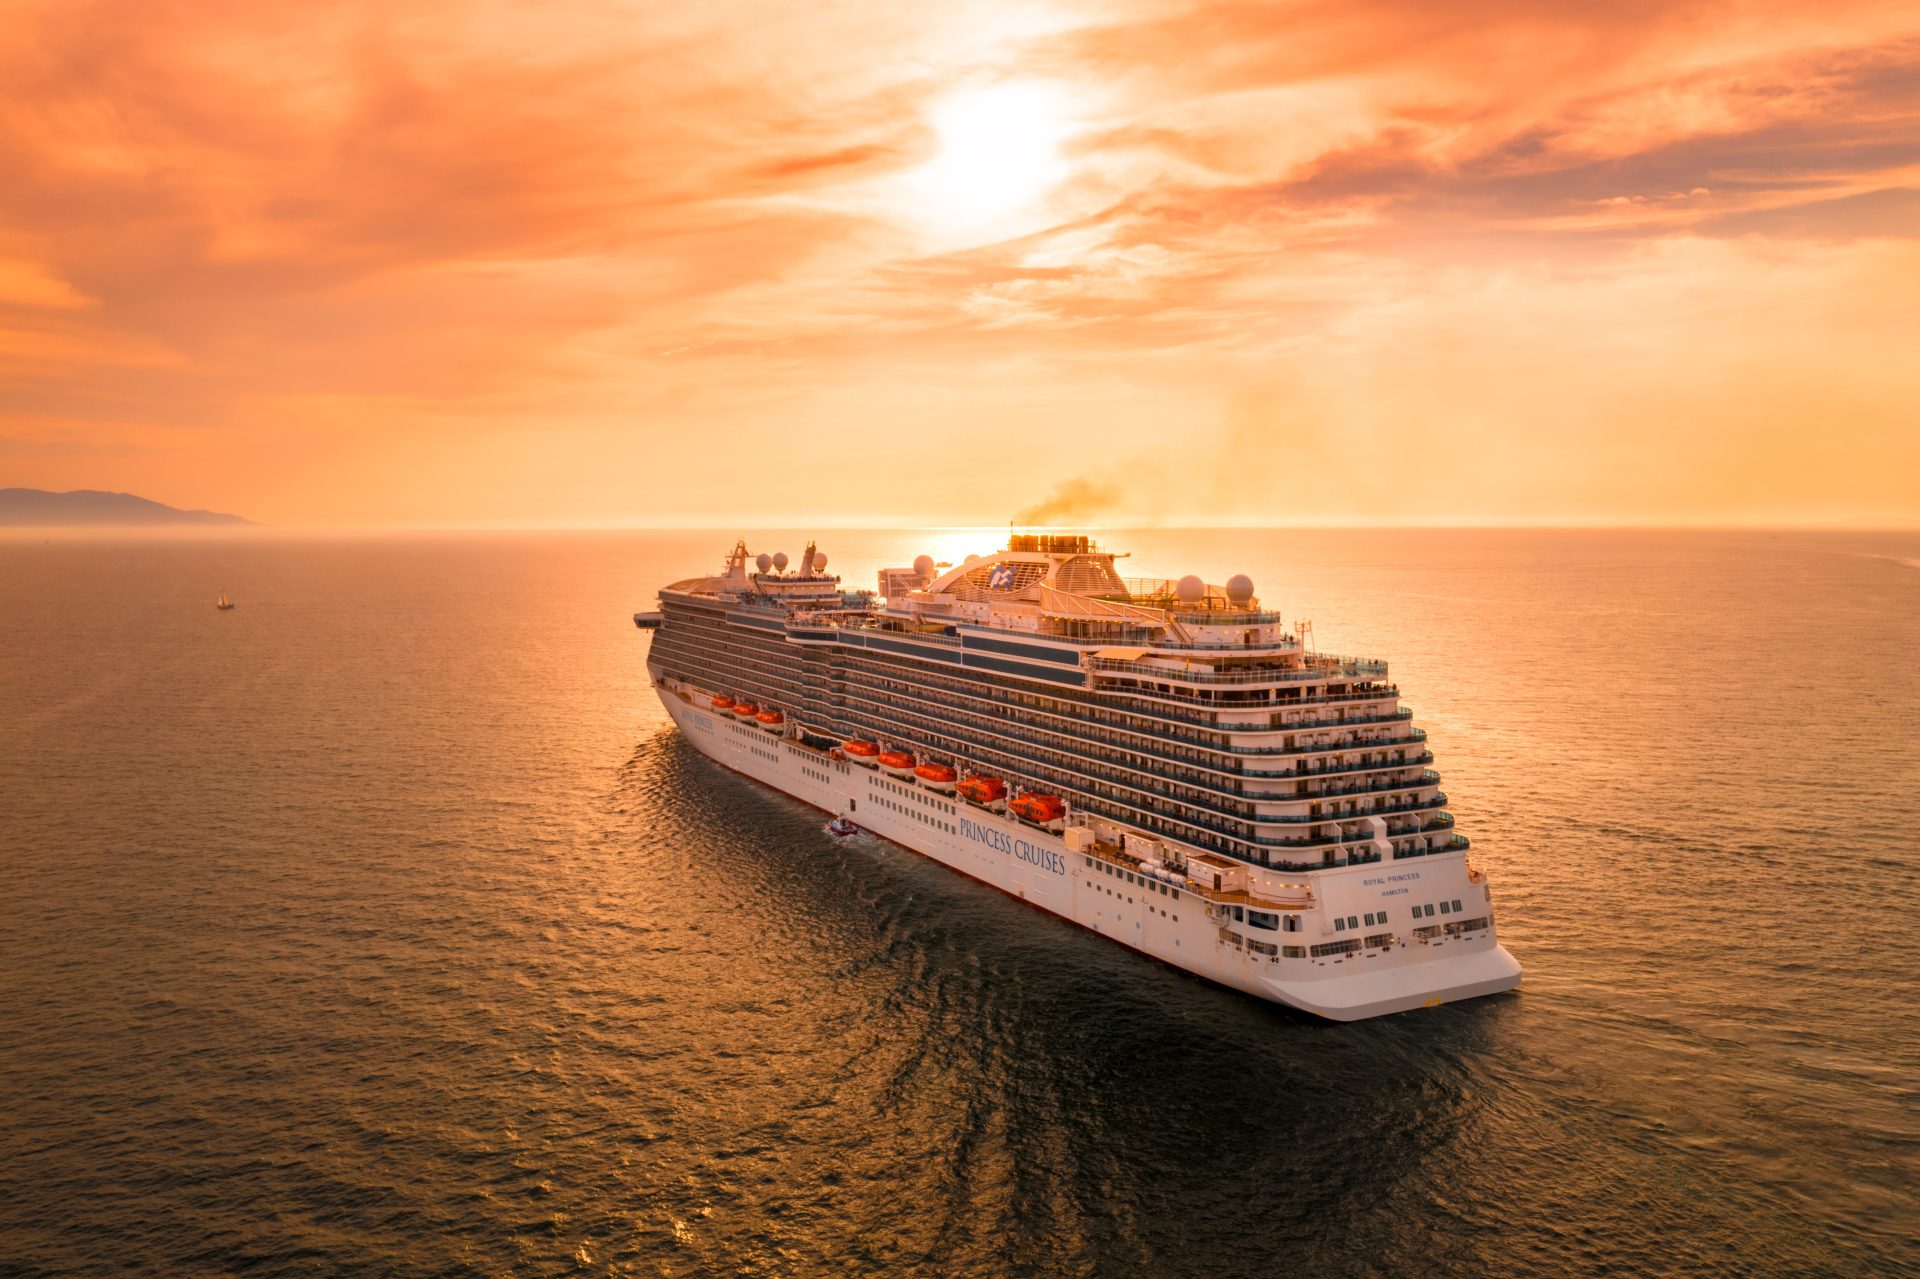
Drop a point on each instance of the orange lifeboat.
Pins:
(935, 776)
(988, 792)
(861, 752)
(770, 720)
(723, 703)
(745, 710)
(1041, 810)
(896, 762)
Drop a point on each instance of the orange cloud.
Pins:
(613, 263)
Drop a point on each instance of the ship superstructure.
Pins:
(1164, 762)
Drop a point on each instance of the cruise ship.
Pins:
(1164, 763)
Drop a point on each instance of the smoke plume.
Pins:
(1073, 501)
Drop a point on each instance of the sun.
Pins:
(999, 154)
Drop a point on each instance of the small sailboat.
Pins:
(839, 827)
(223, 603)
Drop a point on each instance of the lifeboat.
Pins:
(935, 777)
(745, 710)
(723, 703)
(988, 792)
(899, 763)
(1041, 810)
(862, 753)
(772, 721)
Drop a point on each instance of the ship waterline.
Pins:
(1161, 763)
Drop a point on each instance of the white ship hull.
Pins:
(1181, 928)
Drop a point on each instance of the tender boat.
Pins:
(223, 603)
(935, 777)
(988, 792)
(1040, 809)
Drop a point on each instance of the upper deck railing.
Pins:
(1337, 668)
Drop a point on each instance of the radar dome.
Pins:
(780, 560)
(923, 565)
(1190, 590)
(819, 561)
(765, 561)
(1240, 589)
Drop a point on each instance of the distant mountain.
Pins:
(91, 508)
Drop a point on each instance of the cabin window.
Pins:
(1456, 905)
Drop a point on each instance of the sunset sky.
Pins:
(602, 263)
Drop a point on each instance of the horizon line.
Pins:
(255, 528)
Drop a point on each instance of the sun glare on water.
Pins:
(999, 155)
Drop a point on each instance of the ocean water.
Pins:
(384, 926)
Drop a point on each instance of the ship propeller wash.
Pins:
(1161, 762)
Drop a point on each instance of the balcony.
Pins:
(1114, 736)
(1066, 775)
(922, 722)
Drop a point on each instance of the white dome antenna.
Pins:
(1190, 590)
(764, 560)
(780, 561)
(923, 565)
(1240, 589)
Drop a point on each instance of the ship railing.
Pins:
(1079, 787)
(1348, 668)
(1161, 710)
(924, 728)
(921, 725)
(1230, 616)
(1282, 642)
(867, 680)
(1109, 692)
(1215, 761)
(1205, 757)
(1401, 715)
(1116, 856)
